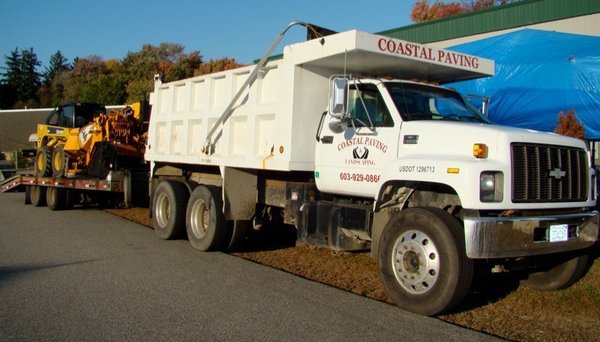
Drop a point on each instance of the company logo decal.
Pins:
(362, 148)
(557, 173)
(360, 153)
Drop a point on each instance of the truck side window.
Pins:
(374, 106)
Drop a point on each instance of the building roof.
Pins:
(514, 15)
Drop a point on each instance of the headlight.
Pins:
(491, 185)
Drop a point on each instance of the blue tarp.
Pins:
(539, 74)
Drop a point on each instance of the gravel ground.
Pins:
(497, 304)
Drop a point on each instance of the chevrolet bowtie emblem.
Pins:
(557, 173)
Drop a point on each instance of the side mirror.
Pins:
(338, 97)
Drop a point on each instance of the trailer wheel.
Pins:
(59, 161)
(27, 194)
(422, 260)
(168, 206)
(38, 195)
(205, 222)
(57, 199)
(560, 272)
(43, 161)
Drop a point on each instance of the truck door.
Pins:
(350, 161)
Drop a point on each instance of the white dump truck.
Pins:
(338, 139)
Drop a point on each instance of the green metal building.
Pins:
(571, 16)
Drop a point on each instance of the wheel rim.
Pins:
(40, 163)
(51, 196)
(58, 161)
(199, 219)
(416, 262)
(163, 212)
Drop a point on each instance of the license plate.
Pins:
(558, 232)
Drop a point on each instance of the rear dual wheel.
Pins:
(200, 214)
(168, 209)
(205, 221)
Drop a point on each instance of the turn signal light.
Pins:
(480, 151)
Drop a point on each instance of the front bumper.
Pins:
(508, 237)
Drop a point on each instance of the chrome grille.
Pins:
(548, 173)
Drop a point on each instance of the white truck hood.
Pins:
(457, 138)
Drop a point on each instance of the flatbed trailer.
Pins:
(58, 192)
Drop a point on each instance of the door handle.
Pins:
(327, 139)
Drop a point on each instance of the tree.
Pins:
(58, 63)
(168, 60)
(569, 125)
(30, 77)
(21, 76)
(51, 91)
(106, 89)
(423, 10)
(8, 94)
(74, 81)
(215, 65)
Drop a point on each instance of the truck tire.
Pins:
(57, 199)
(168, 209)
(560, 272)
(236, 234)
(38, 196)
(59, 161)
(27, 194)
(43, 162)
(205, 222)
(422, 260)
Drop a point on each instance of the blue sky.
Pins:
(216, 28)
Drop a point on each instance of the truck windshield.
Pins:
(423, 102)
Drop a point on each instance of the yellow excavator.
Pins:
(83, 138)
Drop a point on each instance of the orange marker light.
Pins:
(480, 151)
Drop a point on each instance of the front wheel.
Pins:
(422, 261)
(559, 272)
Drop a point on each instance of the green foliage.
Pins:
(215, 65)
(105, 89)
(51, 92)
(58, 64)
(21, 78)
(76, 80)
(168, 60)
(424, 10)
(93, 79)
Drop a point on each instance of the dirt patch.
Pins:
(497, 304)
